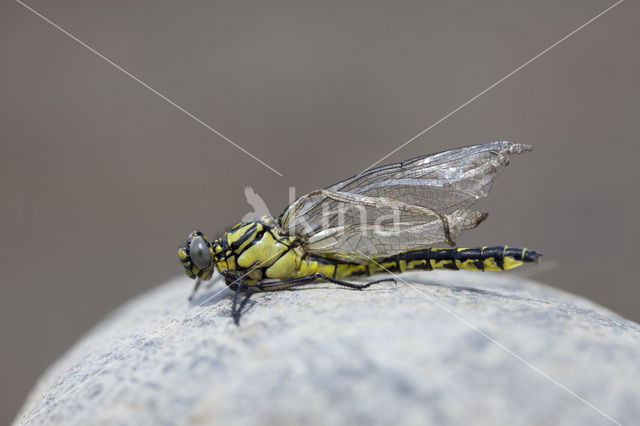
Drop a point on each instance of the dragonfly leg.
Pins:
(195, 288)
(281, 285)
(236, 315)
(236, 311)
(353, 285)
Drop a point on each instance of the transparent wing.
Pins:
(421, 201)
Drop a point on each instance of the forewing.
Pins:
(446, 183)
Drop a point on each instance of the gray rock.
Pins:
(451, 348)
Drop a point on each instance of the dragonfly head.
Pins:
(197, 256)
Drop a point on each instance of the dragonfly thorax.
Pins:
(256, 250)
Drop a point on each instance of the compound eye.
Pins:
(199, 253)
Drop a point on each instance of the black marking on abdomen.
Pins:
(448, 257)
(495, 252)
(359, 272)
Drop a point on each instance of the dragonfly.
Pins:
(383, 220)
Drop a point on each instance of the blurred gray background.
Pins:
(102, 179)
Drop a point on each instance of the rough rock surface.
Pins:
(412, 354)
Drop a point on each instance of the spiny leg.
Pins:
(353, 285)
(195, 288)
(281, 285)
(234, 312)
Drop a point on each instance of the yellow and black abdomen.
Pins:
(495, 258)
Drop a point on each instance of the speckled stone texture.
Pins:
(411, 354)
